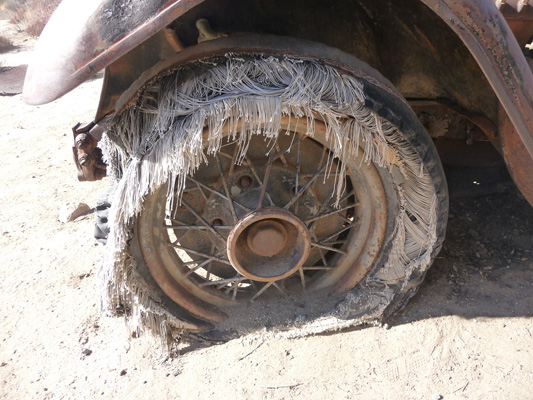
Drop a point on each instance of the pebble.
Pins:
(70, 211)
(473, 233)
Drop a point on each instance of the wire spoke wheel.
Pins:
(289, 219)
(268, 187)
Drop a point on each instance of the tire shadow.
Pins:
(485, 268)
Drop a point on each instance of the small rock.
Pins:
(87, 352)
(70, 211)
(473, 233)
(436, 397)
(123, 372)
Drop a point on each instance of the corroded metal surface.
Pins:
(209, 251)
(269, 244)
(484, 31)
(87, 156)
(83, 37)
(120, 74)
(518, 161)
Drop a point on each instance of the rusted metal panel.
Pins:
(485, 32)
(519, 162)
(83, 37)
(120, 74)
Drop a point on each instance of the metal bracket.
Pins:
(87, 156)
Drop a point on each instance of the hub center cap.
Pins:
(267, 238)
(268, 244)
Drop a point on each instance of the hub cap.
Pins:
(268, 245)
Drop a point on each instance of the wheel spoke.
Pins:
(221, 283)
(214, 191)
(205, 262)
(226, 189)
(199, 227)
(317, 217)
(208, 275)
(336, 242)
(316, 268)
(321, 246)
(279, 288)
(325, 204)
(232, 165)
(200, 253)
(264, 185)
(338, 232)
(203, 221)
(261, 291)
(347, 220)
(302, 277)
(201, 191)
(235, 288)
(322, 173)
(281, 156)
(265, 182)
(196, 268)
(322, 256)
(256, 176)
(305, 187)
(225, 155)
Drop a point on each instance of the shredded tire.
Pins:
(158, 139)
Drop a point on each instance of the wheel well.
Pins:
(403, 39)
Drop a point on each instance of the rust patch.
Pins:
(516, 156)
(483, 29)
(87, 156)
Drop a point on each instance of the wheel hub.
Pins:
(268, 244)
(267, 238)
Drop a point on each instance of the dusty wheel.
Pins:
(338, 190)
(280, 234)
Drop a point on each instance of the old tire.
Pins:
(381, 226)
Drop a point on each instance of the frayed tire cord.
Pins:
(159, 140)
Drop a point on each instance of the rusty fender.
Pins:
(83, 38)
(483, 29)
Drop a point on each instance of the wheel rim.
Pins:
(209, 252)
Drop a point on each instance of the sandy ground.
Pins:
(467, 333)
